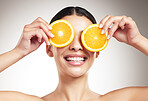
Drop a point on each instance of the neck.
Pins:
(73, 88)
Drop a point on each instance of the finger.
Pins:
(31, 29)
(39, 33)
(44, 36)
(28, 28)
(112, 30)
(122, 23)
(39, 36)
(128, 22)
(30, 34)
(110, 21)
(107, 24)
(42, 20)
(104, 20)
(42, 26)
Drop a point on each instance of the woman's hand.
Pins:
(33, 36)
(124, 29)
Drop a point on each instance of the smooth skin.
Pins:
(73, 84)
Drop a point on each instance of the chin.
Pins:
(76, 72)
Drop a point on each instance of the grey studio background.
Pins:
(118, 66)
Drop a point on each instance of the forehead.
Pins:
(79, 22)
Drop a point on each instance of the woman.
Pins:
(73, 84)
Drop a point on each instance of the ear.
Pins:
(49, 50)
(97, 54)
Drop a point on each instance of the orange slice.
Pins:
(63, 33)
(92, 39)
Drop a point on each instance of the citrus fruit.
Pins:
(63, 33)
(92, 39)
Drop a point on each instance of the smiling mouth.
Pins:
(75, 60)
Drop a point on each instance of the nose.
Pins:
(76, 45)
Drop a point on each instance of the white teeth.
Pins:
(75, 58)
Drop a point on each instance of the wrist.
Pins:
(141, 44)
(136, 40)
(19, 52)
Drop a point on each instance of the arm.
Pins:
(127, 94)
(117, 95)
(17, 96)
(138, 93)
(9, 58)
(33, 36)
(124, 29)
(142, 45)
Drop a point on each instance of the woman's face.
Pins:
(74, 60)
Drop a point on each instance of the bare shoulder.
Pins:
(127, 94)
(17, 96)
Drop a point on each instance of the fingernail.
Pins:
(100, 26)
(111, 26)
(102, 32)
(50, 28)
(108, 36)
(48, 43)
(51, 35)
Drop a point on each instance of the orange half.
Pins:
(63, 33)
(93, 40)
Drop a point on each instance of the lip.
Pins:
(76, 63)
(75, 55)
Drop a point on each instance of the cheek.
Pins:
(57, 51)
(92, 57)
(91, 54)
(58, 55)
